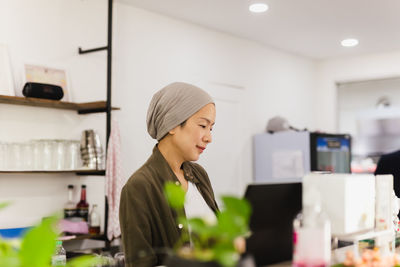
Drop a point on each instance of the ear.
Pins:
(173, 131)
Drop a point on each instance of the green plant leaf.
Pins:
(211, 242)
(204, 254)
(227, 258)
(6, 249)
(84, 261)
(8, 254)
(175, 195)
(239, 206)
(202, 232)
(9, 261)
(197, 225)
(226, 255)
(231, 224)
(39, 244)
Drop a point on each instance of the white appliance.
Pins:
(348, 200)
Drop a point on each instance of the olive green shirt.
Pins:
(147, 222)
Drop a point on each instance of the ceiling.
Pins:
(311, 28)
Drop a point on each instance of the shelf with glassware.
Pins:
(83, 157)
(81, 108)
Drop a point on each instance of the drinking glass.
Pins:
(37, 146)
(59, 154)
(15, 156)
(72, 155)
(3, 155)
(27, 156)
(47, 154)
(8, 157)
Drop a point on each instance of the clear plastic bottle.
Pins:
(312, 233)
(94, 221)
(60, 255)
(70, 206)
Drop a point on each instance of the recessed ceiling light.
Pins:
(258, 7)
(349, 42)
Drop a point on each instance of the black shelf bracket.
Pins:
(81, 51)
(94, 172)
(94, 110)
(108, 104)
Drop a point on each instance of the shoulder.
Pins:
(388, 163)
(391, 158)
(138, 190)
(393, 155)
(140, 180)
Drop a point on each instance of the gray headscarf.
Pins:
(172, 105)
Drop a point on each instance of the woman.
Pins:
(180, 117)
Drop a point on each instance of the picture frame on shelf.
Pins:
(48, 75)
(6, 79)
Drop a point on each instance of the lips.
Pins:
(201, 148)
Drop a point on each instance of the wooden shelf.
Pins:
(77, 172)
(81, 108)
(90, 172)
(67, 238)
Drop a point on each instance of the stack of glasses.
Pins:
(91, 150)
(43, 154)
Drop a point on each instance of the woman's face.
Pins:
(192, 138)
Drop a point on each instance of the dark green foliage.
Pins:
(212, 242)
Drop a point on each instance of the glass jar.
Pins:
(73, 160)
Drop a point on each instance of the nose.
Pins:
(207, 137)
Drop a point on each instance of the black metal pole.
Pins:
(109, 71)
(108, 104)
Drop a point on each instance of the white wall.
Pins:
(152, 50)
(149, 51)
(365, 67)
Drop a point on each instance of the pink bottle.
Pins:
(311, 233)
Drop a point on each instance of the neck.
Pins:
(170, 154)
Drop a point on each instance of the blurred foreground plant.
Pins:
(36, 247)
(210, 241)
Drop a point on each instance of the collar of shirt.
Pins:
(165, 168)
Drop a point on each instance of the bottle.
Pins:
(82, 206)
(94, 221)
(70, 207)
(60, 255)
(311, 233)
